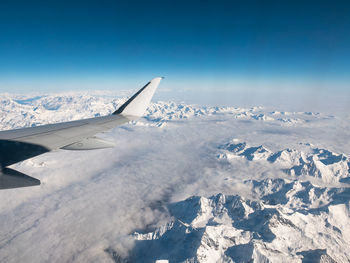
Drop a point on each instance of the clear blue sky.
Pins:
(60, 45)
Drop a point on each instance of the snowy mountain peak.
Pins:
(32, 110)
(319, 163)
(238, 230)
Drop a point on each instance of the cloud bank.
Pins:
(110, 205)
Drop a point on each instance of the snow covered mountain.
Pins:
(178, 188)
(38, 110)
(299, 222)
(315, 162)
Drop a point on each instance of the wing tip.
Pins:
(138, 103)
(157, 79)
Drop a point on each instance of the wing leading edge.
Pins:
(21, 144)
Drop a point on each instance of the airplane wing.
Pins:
(21, 144)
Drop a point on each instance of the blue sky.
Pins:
(197, 45)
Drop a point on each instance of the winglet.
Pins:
(138, 103)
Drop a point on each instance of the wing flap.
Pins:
(89, 144)
(10, 178)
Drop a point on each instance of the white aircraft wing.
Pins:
(21, 144)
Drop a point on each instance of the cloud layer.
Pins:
(91, 204)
